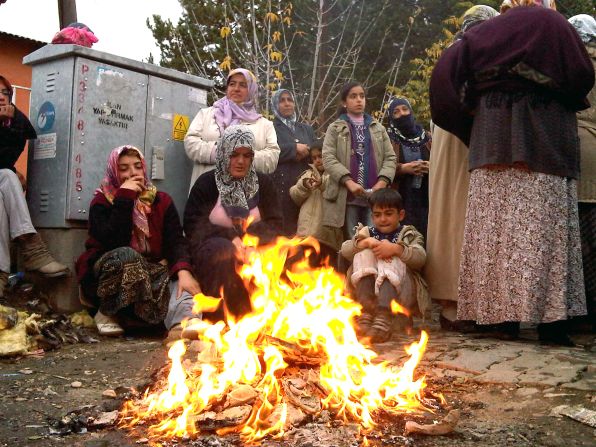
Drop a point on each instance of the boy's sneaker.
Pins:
(364, 324)
(381, 328)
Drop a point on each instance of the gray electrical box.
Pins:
(84, 103)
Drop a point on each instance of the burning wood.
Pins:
(296, 356)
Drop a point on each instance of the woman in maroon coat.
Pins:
(137, 260)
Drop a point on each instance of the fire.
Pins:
(303, 311)
(397, 308)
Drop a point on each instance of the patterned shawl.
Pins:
(585, 25)
(291, 121)
(228, 113)
(142, 206)
(236, 195)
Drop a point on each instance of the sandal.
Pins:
(107, 326)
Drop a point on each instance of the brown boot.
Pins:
(36, 256)
(3, 283)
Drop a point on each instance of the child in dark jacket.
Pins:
(137, 262)
(387, 262)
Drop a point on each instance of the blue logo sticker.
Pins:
(46, 116)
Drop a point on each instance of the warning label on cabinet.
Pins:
(180, 125)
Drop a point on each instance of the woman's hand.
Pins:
(135, 183)
(187, 283)
(386, 249)
(301, 151)
(413, 168)
(356, 189)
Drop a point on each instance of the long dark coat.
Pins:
(289, 169)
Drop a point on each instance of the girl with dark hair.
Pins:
(412, 145)
(359, 158)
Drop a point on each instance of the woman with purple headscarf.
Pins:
(237, 107)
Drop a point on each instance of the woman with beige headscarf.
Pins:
(448, 199)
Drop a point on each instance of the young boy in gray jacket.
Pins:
(387, 260)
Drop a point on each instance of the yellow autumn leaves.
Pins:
(275, 55)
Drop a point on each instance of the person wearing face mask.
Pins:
(225, 204)
(136, 265)
(412, 146)
(294, 139)
(239, 106)
(15, 221)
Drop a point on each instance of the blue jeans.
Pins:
(354, 215)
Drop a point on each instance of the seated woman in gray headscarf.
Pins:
(223, 205)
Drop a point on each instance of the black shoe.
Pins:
(508, 330)
(463, 326)
(554, 333)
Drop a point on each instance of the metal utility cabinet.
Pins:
(84, 103)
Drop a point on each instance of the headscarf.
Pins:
(405, 127)
(237, 196)
(585, 25)
(76, 33)
(291, 121)
(508, 4)
(7, 122)
(229, 113)
(142, 206)
(476, 15)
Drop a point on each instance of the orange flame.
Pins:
(306, 308)
(397, 308)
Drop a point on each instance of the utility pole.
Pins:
(67, 12)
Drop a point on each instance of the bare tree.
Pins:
(312, 51)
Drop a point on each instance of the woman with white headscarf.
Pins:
(448, 199)
(239, 106)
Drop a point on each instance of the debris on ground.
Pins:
(23, 332)
(444, 427)
(580, 414)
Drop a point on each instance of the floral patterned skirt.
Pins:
(128, 281)
(521, 256)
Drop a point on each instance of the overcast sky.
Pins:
(118, 24)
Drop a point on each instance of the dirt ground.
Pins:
(37, 390)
